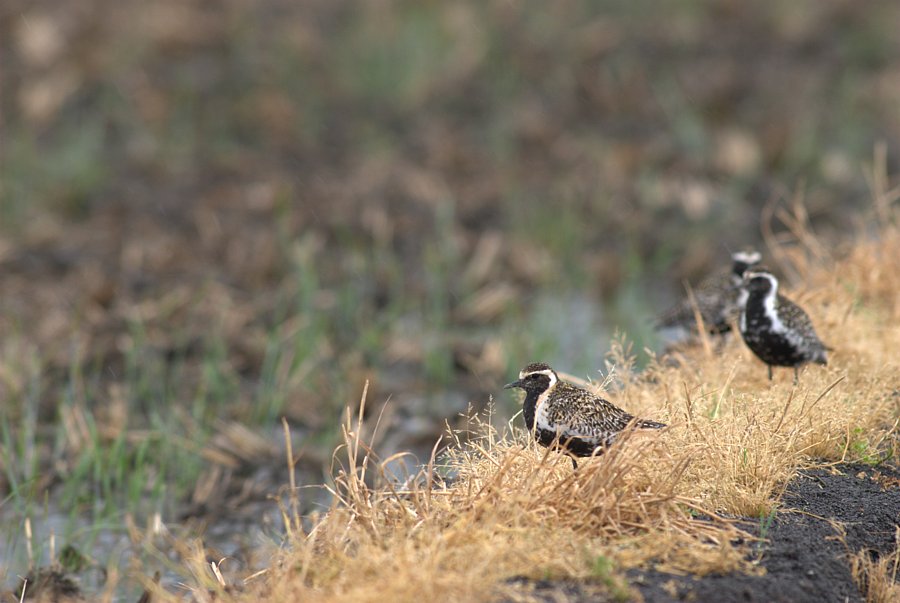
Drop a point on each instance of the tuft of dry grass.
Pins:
(507, 509)
(877, 578)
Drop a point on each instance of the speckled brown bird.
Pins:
(776, 329)
(716, 299)
(561, 415)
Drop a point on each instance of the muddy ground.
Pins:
(825, 516)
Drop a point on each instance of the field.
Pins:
(735, 441)
(237, 234)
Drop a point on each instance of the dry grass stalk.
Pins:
(877, 578)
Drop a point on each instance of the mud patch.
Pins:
(826, 515)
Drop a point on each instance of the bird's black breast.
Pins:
(755, 314)
(774, 349)
(770, 346)
(529, 408)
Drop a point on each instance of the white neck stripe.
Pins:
(540, 408)
(769, 303)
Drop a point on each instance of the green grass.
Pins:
(63, 174)
(603, 570)
(861, 449)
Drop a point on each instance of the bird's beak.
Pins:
(514, 384)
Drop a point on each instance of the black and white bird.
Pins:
(715, 298)
(574, 420)
(776, 329)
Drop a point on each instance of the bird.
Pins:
(776, 329)
(716, 298)
(569, 418)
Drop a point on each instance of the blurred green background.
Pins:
(221, 213)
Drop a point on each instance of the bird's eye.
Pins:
(531, 376)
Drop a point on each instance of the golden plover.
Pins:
(776, 329)
(716, 299)
(561, 415)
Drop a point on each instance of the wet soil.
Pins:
(825, 516)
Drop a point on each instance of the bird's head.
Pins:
(537, 377)
(743, 260)
(760, 281)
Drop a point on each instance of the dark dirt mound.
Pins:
(825, 516)
(806, 557)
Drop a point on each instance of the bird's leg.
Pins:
(796, 375)
(770, 372)
(574, 463)
(720, 343)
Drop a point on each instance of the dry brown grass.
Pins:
(877, 579)
(513, 509)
